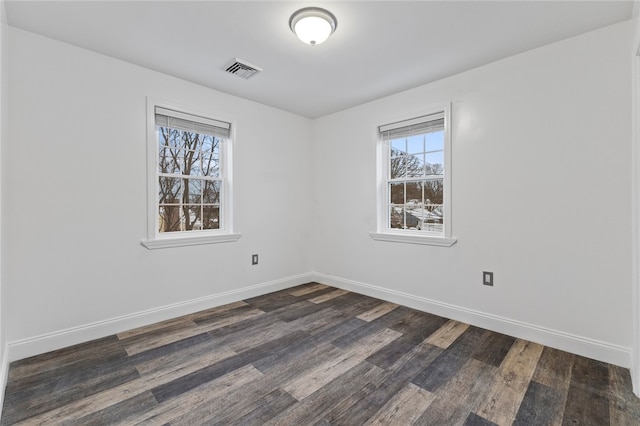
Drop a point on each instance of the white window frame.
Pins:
(158, 240)
(384, 232)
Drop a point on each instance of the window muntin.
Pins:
(189, 173)
(414, 183)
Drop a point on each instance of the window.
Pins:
(189, 187)
(414, 180)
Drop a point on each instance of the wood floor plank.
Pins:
(317, 321)
(493, 348)
(541, 405)
(415, 323)
(298, 310)
(212, 351)
(252, 338)
(312, 323)
(469, 341)
(404, 408)
(585, 406)
(510, 384)
(447, 334)
(438, 373)
(308, 289)
(272, 301)
(624, 406)
(217, 311)
(364, 403)
(189, 381)
(236, 399)
(328, 296)
(476, 420)
(258, 412)
(246, 324)
(415, 328)
(101, 400)
(114, 414)
(554, 369)
(105, 349)
(37, 400)
(146, 342)
(368, 328)
(461, 395)
(307, 348)
(327, 397)
(160, 327)
(588, 396)
(322, 374)
(191, 404)
(377, 312)
(315, 355)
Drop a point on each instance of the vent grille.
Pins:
(242, 69)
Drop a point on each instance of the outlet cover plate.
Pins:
(487, 278)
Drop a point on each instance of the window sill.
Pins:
(189, 241)
(413, 239)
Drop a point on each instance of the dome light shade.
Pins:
(313, 25)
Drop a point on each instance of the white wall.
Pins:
(3, 130)
(541, 184)
(635, 208)
(75, 197)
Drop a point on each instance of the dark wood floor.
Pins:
(315, 355)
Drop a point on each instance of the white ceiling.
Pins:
(379, 47)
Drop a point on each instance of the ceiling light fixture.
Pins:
(313, 25)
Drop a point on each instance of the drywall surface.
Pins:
(635, 210)
(76, 192)
(540, 188)
(3, 131)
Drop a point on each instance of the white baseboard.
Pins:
(60, 339)
(590, 348)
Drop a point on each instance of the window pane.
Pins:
(191, 217)
(169, 219)
(435, 141)
(415, 144)
(398, 146)
(210, 165)
(190, 163)
(211, 194)
(169, 190)
(211, 217)
(398, 167)
(210, 145)
(189, 140)
(413, 194)
(415, 165)
(435, 163)
(170, 160)
(397, 193)
(192, 191)
(396, 218)
(434, 191)
(193, 163)
(168, 137)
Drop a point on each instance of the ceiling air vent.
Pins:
(243, 69)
